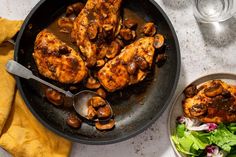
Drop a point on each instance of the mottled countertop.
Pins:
(205, 49)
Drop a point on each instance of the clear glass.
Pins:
(214, 10)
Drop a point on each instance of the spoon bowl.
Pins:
(81, 104)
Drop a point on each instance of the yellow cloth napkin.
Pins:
(20, 133)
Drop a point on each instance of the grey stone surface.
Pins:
(205, 49)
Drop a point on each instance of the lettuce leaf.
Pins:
(232, 152)
(190, 142)
(193, 143)
(232, 127)
(223, 138)
(180, 129)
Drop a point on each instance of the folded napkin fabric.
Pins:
(20, 132)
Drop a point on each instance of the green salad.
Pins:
(196, 139)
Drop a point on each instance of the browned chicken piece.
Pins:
(214, 101)
(56, 60)
(96, 25)
(129, 67)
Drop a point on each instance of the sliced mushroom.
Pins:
(69, 10)
(54, 97)
(142, 63)
(129, 23)
(132, 68)
(127, 34)
(133, 34)
(101, 92)
(104, 112)
(77, 7)
(96, 101)
(149, 29)
(226, 93)
(201, 87)
(106, 126)
(65, 24)
(214, 90)
(103, 13)
(159, 41)
(198, 110)
(120, 42)
(92, 31)
(92, 83)
(73, 121)
(113, 50)
(73, 88)
(100, 63)
(107, 31)
(119, 26)
(107, 27)
(102, 53)
(161, 59)
(190, 91)
(74, 9)
(90, 62)
(92, 113)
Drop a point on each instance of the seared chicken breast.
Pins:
(56, 60)
(96, 25)
(214, 101)
(129, 67)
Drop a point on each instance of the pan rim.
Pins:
(121, 138)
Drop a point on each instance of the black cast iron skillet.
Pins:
(136, 107)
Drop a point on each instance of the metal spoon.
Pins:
(80, 99)
(81, 104)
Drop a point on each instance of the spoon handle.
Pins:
(67, 93)
(19, 70)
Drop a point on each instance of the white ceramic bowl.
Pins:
(176, 108)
